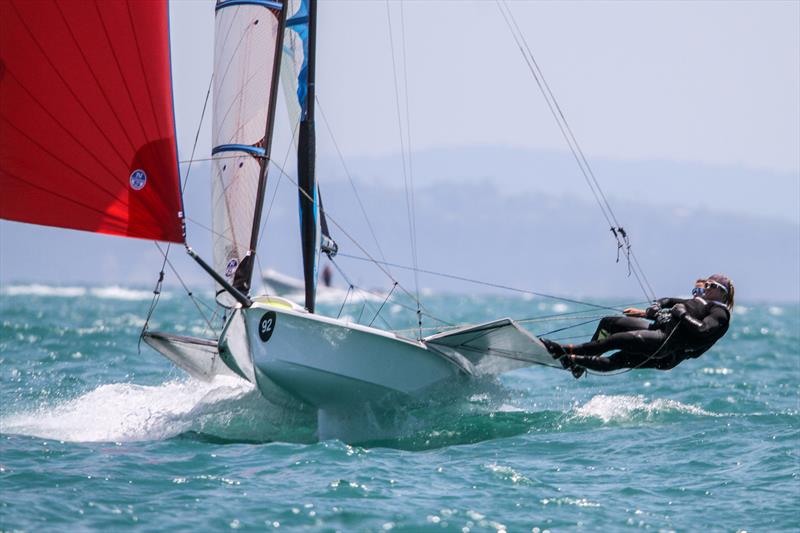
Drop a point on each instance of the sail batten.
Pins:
(263, 3)
(87, 130)
(252, 150)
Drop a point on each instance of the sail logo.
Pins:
(138, 179)
(230, 268)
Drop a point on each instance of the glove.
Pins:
(678, 311)
(652, 311)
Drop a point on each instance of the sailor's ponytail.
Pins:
(729, 300)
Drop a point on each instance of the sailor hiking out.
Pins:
(667, 333)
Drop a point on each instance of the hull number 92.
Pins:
(266, 325)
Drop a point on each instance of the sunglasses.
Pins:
(713, 284)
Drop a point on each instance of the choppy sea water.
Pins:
(97, 436)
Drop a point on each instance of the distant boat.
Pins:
(283, 284)
(280, 284)
(88, 142)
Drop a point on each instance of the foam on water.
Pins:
(506, 473)
(36, 289)
(113, 292)
(227, 407)
(121, 293)
(621, 408)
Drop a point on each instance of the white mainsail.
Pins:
(246, 37)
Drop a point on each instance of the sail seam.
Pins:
(121, 75)
(45, 150)
(64, 197)
(221, 81)
(58, 73)
(149, 147)
(97, 82)
(150, 100)
(237, 98)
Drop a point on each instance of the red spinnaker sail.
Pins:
(87, 131)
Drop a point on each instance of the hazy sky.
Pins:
(709, 88)
(712, 82)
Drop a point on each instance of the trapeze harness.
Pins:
(661, 344)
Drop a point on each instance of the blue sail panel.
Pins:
(296, 52)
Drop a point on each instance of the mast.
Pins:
(306, 155)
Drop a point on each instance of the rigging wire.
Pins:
(350, 179)
(553, 319)
(485, 283)
(153, 303)
(406, 147)
(383, 304)
(572, 326)
(364, 306)
(405, 151)
(160, 281)
(379, 264)
(383, 264)
(415, 255)
(272, 201)
(619, 233)
(405, 142)
(344, 302)
(560, 316)
(188, 291)
(197, 135)
(368, 292)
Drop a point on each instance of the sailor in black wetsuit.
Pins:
(680, 329)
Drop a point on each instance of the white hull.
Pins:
(295, 357)
(333, 364)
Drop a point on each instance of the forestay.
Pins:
(87, 132)
(248, 36)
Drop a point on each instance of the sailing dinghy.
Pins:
(294, 289)
(87, 142)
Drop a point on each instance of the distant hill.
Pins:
(500, 227)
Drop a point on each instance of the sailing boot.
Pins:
(557, 352)
(555, 349)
